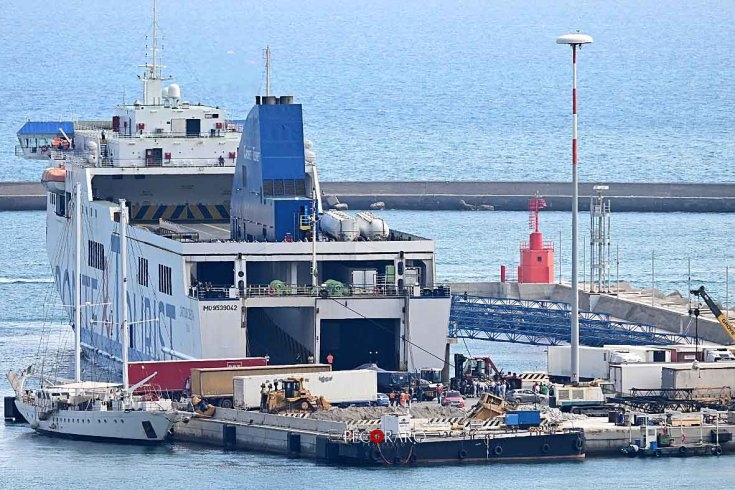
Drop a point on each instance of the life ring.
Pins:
(658, 453)
(498, 450)
(545, 448)
(578, 443)
(717, 451)
(683, 450)
(271, 291)
(462, 454)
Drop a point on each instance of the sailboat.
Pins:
(90, 409)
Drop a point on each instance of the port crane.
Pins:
(726, 325)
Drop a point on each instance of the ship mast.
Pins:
(152, 75)
(124, 291)
(78, 282)
(267, 70)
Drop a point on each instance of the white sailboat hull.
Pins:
(133, 426)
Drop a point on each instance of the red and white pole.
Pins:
(575, 40)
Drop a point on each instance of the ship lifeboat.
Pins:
(53, 179)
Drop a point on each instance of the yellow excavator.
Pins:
(726, 325)
(293, 397)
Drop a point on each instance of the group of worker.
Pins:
(399, 398)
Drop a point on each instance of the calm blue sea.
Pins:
(392, 90)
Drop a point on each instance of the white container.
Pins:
(372, 227)
(643, 376)
(396, 425)
(714, 375)
(337, 387)
(340, 226)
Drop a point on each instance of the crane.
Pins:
(726, 325)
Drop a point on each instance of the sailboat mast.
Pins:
(124, 290)
(78, 282)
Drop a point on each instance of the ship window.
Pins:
(267, 187)
(164, 279)
(143, 271)
(300, 187)
(96, 255)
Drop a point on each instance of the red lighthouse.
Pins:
(537, 257)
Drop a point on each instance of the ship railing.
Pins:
(92, 125)
(217, 133)
(207, 291)
(546, 245)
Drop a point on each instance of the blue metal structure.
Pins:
(545, 323)
(270, 195)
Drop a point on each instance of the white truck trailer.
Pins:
(642, 376)
(594, 362)
(341, 388)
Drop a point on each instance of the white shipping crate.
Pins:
(397, 425)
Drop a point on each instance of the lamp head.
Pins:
(574, 39)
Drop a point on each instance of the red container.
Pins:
(174, 376)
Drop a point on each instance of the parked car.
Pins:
(453, 399)
(526, 396)
(382, 400)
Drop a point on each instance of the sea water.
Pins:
(425, 90)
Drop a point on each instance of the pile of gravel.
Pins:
(371, 413)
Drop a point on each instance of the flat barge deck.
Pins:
(337, 443)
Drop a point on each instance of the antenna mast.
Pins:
(154, 68)
(267, 70)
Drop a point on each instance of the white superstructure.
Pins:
(210, 278)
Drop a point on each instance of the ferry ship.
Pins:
(230, 250)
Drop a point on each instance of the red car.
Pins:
(453, 399)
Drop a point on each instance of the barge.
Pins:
(343, 443)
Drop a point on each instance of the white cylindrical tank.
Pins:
(164, 92)
(372, 227)
(340, 226)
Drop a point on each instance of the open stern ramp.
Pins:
(545, 323)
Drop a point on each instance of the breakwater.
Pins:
(456, 195)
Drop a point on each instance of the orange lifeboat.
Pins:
(53, 179)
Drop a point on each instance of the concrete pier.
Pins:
(500, 196)
(604, 438)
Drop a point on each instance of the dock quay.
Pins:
(604, 438)
(498, 196)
